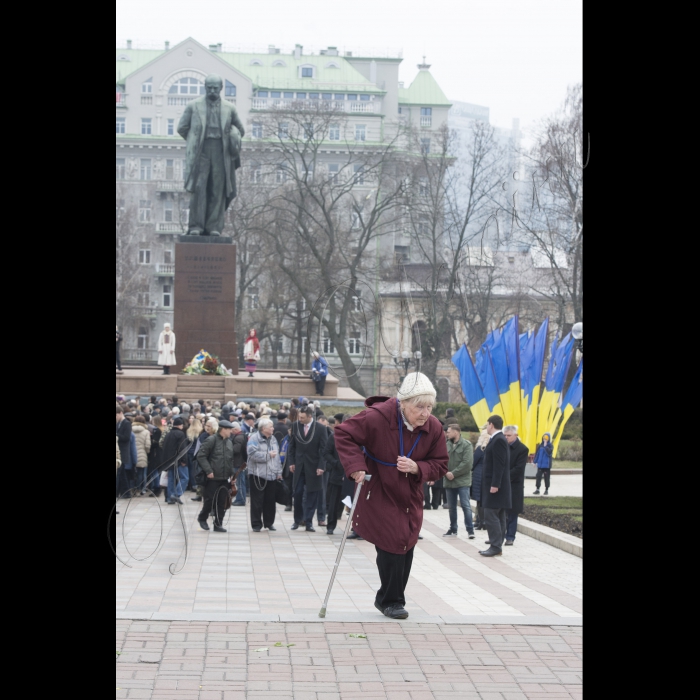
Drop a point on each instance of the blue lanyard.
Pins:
(390, 464)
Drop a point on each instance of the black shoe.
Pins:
(196, 498)
(450, 533)
(491, 552)
(354, 536)
(536, 492)
(170, 502)
(508, 543)
(295, 526)
(218, 528)
(256, 529)
(309, 528)
(396, 612)
(471, 535)
(420, 537)
(272, 528)
(487, 542)
(177, 500)
(546, 492)
(203, 524)
(330, 532)
(238, 504)
(288, 509)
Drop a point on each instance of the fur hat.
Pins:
(415, 384)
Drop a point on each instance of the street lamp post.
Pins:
(577, 333)
(406, 361)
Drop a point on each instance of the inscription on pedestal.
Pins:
(205, 295)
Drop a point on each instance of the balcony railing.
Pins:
(180, 100)
(168, 227)
(170, 186)
(329, 105)
(426, 121)
(148, 354)
(165, 269)
(146, 99)
(121, 99)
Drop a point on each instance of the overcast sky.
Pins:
(516, 57)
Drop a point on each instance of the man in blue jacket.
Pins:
(319, 372)
(543, 462)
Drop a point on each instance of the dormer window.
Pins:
(279, 64)
(255, 62)
(332, 64)
(123, 57)
(307, 72)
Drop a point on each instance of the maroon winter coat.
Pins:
(389, 513)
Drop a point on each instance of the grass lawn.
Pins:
(563, 464)
(564, 513)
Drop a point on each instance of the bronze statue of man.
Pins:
(213, 132)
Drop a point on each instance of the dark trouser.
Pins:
(214, 495)
(480, 517)
(335, 507)
(394, 570)
(320, 384)
(436, 496)
(304, 511)
(511, 524)
(166, 369)
(263, 507)
(322, 501)
(289, 480)
(119, 362)
(540, 474)
(125, 478)
(208, 201)
(495, 525)
(194, 469)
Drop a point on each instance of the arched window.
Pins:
(187, 86)
(418, 329)
(279, 64)
(332, 64)
(256, 62)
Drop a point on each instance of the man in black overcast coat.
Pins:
(518, 460)
(495, 487)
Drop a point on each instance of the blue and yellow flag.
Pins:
(471, 386)
(572, 399)
(511, 343)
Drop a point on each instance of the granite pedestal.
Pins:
(205, 294)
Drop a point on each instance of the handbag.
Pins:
(163, 482)
(281, 492)
(232, 491)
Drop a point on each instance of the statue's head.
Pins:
(213, 85)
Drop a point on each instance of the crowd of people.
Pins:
(228, 454)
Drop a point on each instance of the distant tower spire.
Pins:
(424, 65)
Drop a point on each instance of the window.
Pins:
(364, 98)
(147, 86)
(283, 130)
(169, 169)
(121, 210)
(279, 64)
(307, 72)
(257, 173)
(278, 346)
(142, 338)
(423, 186)
(339, 96)
(425, 146)
(302, 305)
(121, 168)
(145, 168)
(426, 111)
(356, 301)
(171, 127)
(146, 125)
(229, 89)
(187, 86)
(308, 170)
(145, 214)
(301, 95)
(275, 94)
(257, 130)
(121, 125)
(281, 174)
(355, 221)
(308, 131)
(326, 96)
(288, 95)
(359, 174)
(334, 132)
(401, 254)
(352, 97)
(144, 257)
(426, 118)
(143, 298)
(167, 295)
(333, 170)
(313, 95)
(262, 93)
(305, 344)
(168, 210)
(253, 298)
(328, 347)
(168, 257)
(360, 132)
(424, 225)
(354, 346)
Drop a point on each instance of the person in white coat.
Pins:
(166, 348)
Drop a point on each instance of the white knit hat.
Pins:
(415, 384)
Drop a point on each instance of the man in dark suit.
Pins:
(518, 459)
(495, 488)
(307, 463)
(124, 440)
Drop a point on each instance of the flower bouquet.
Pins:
(205, 363)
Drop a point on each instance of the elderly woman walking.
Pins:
(265, 469)
(401, 445)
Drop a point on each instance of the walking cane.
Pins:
(322, 612)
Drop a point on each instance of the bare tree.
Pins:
(550, 219)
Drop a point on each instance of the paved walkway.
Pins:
(322, 661)
(283, 575)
